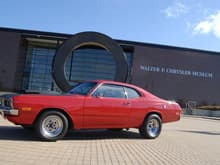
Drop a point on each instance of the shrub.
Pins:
(209, 107)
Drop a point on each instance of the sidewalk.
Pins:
(204, 117)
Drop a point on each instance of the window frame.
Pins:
(99, 86)
(80, 85)
(139, 94)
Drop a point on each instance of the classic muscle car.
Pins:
(90, 105)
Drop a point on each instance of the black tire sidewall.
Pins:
(38, 125)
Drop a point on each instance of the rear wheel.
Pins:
(151, 127)
(51, 126)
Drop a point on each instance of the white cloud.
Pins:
(211, 24)
(176, 9)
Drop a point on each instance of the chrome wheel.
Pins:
(52, 126)
(153, 127)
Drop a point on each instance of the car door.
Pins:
(107, 107)
(138, 106)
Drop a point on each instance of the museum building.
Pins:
(46, 62)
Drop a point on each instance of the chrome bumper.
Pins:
(12, 112)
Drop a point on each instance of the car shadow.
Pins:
(17, 133)
(101, 134)
(201, 132)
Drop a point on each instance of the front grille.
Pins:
(7, 103)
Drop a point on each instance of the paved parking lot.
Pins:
(189, 141)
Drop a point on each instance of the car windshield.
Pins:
(82, 88)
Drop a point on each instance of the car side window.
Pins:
(110, 90)
(132, 93)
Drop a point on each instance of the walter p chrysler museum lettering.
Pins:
(176, 71)
(45, 62)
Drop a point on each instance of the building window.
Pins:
(37, 72)
(82, 64)
(90, 64)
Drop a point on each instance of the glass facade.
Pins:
(81, 64)
(88, 64)
(37, 72)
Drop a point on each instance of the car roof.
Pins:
(144, 92)
(115, 82)
(120, 83)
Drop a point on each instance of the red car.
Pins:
(91, 105)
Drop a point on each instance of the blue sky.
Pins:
(182, 23)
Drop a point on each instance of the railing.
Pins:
(190, 105)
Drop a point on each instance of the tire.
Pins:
(51, 126)
(151, 127)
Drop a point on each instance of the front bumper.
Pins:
(7, 111)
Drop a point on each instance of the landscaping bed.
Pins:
(210, 111)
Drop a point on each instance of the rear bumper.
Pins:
(11, 112)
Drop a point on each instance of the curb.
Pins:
(203, 117)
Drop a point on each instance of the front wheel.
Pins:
(51, 126)
(151, 127)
